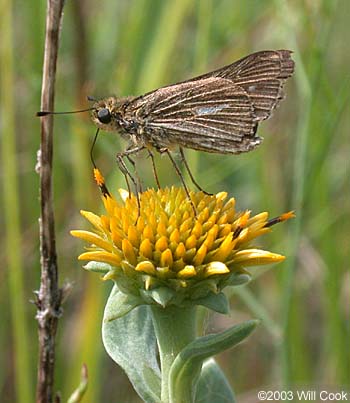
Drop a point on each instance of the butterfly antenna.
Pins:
(45, 113)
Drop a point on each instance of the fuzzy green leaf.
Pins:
(212, 385)
(186, 368)
(131, 343)
(98, 267)
(161, 295)
(216, 302)
(120, 304)
(238, 279)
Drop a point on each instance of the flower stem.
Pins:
(175, 329)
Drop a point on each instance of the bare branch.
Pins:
(49, 296)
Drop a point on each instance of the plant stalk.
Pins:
(49, 296)
(175, 329)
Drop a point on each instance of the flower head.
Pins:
(163, 245)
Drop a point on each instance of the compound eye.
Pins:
(104, 115)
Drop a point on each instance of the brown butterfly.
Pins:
(217, 112)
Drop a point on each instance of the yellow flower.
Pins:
(164, 244)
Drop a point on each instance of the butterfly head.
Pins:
(106, 113)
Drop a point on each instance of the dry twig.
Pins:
(50, 296)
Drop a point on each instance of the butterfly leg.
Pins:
(177, 169)
(123, 167)
(183, 159)
(155, 174)
(138, 180)
(125, 171)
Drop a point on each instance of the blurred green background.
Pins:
(127, 47)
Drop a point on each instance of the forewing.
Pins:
(218, 111)
(211, 114)
(261, 75)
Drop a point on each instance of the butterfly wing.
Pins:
(262, 76)
(218, 111)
